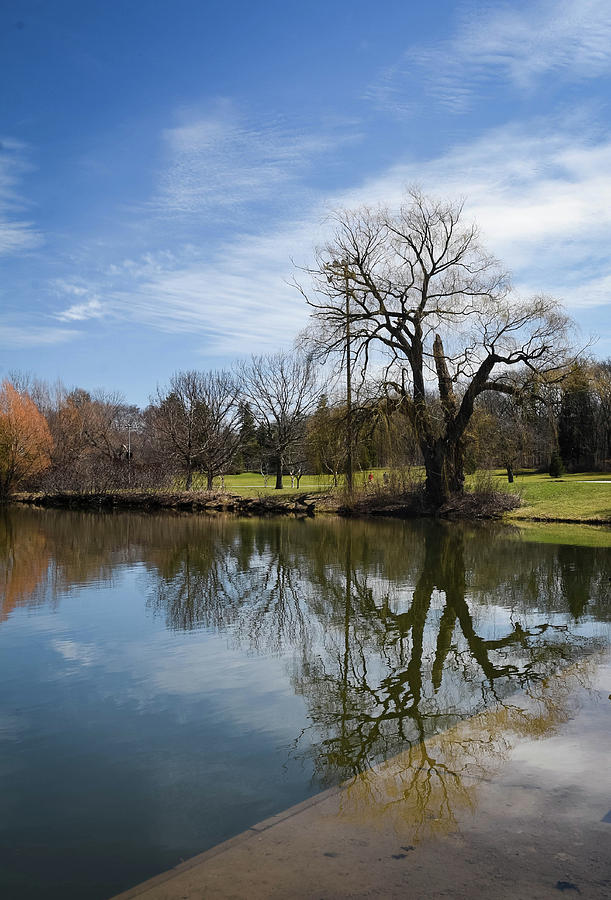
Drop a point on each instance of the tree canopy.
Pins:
(25, 439)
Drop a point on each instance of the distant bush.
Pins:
(556, 467)
(402, 494)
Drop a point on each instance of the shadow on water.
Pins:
(421, 652)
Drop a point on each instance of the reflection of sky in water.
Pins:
(168, 682)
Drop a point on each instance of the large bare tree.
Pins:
(419, 297)
(282, 390)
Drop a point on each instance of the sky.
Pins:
(166, 166)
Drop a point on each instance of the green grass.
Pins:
(573, 498)
(251, 484)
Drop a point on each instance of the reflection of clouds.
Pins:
(573, 750)
(74, 652)
(157, 671)
(602, 682)
(206, 666)
(213, 673)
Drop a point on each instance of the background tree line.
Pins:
(276, 416)
(450, 370)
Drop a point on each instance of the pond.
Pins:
(169, 681)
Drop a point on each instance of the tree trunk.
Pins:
(210, 481)
(510, 473)
(5, 489)
(278, 486)
(444, 471)
(189, 480)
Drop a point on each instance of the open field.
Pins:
(574, 498)
(251, 484)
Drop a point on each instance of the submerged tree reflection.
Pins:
(424, 788)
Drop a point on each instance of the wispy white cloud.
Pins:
(16, 233)
(237, 299)
(85, 292)
(540, 194)
(541, 197)
(234, 292)
(17, 237)
(79, 312)
(23, 334)
(514, 44)
(223, 161)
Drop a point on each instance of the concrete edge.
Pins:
(253, 831)
(246, 835)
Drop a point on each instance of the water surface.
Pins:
(169, 681)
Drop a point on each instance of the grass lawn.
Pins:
(251, 484)
(577, 498)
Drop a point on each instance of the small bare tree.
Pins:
(102, 419)
(194, 420)
(433, 310)
(282, 390)
(326, 439)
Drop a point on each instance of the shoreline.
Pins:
(302, 505)
(211, 503)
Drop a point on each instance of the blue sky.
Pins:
(162, 164)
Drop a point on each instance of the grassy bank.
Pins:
(210, 502)
(572, 498)
(580, 499)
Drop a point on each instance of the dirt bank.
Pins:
(471, 505)
(180, 501)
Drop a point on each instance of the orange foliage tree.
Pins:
(25, 439)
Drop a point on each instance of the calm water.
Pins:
(166, 682)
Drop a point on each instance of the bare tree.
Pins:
(282, 390)
(194, 420)
(433, 309)
(102, 419)
(326, 439)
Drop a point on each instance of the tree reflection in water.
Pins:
(422, 658)
(433, 647)
(430, 667)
